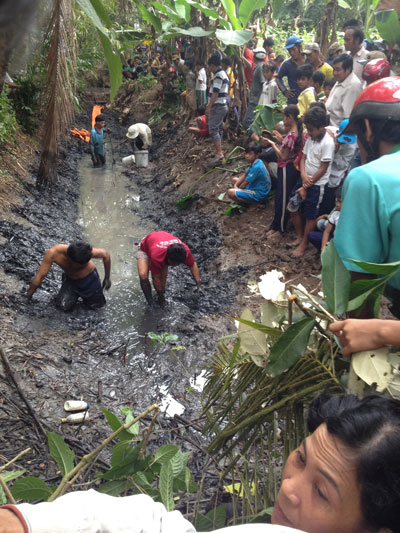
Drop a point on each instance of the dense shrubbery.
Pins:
(8, 123)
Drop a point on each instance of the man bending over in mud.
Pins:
(157, 251)
(80, 278)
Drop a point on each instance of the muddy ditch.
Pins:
(80, 355)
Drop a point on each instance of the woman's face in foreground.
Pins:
(319, 491)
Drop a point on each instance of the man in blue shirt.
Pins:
(96, 144)
(369, 225)
(253, 186)
(288, 70)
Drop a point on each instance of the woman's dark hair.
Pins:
(176, 253)
(80, 252)
(370, 428)
(316, 116)
(292, 110)
(253, 147)
(330, 82)
(318, 77)
(346, 60)
(304, 71)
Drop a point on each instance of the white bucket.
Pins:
(142, 158)
(128, 161)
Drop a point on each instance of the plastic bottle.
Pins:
(76, 417)
(75, 405)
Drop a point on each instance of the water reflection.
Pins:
(108, 214)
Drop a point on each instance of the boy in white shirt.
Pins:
(201, 83)
(269, 93)
(315, 168)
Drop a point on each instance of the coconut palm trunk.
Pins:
(60, 103)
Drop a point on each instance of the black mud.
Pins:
(59, 356)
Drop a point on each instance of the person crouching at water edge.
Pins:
(343, 478)
(80, 278)
(253, 186)
(158, 251)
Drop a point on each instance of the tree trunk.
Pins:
(327, 25)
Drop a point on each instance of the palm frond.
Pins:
(60, 104)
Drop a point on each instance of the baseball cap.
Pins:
(335, 47)
(292, 40)
(311, 47)
(345, 138)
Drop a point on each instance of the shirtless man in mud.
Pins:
(158, 251)
(80, 278)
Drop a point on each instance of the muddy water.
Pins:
(108, 214)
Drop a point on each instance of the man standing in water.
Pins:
(80, 278)
(157, 251)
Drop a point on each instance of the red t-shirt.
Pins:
(155, 245)
(248, 71)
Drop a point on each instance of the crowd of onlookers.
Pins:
(308, 154)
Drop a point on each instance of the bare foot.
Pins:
(252, 207)
(275, 235)
(294, 243)
(299, 251)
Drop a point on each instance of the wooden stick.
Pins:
(15, 459)
(7, 367)
(7, 491)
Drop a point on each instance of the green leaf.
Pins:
(362, 289)
(252, 340)
(115, 423)
(141, 479)
(270, 313)
(387, 23)
(247, 8)
(266, 117)
(31, 488)
(165, 453)
(376, 268)
(165, 484)
(89, 8)
(114, 488)
(290, 346)
(9, 476)
(335, 280)
(182, 9)
(221, 196)
(128, 413)
(195, 31)
(344, 4)
(177, 463)
(60, 452)
(271, 332)
(168, 12)
(228, 37)
(114, 64)
(209, 12)
(214, 519)
(148, 16)
(3, 497)
(230, 10)
(122, 451)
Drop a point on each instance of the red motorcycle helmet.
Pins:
(376, 69)
(379, 101)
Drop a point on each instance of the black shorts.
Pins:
(89, 289)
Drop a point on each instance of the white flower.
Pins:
(270, 285)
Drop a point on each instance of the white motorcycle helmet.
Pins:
(259, 53)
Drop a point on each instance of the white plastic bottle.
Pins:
(76, 418)
(75, 405)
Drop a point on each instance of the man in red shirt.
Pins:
(157, 251)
